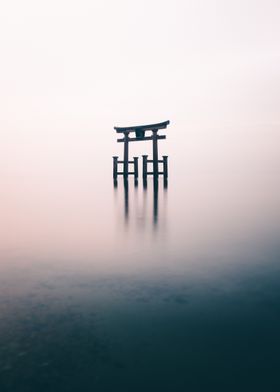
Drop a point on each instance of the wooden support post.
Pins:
(155, 152)
(135, 167)
(165, 166)
(115, 167)
(125, 155)
(145, 166)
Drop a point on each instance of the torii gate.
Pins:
(139, 131)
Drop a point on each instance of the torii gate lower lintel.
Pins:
(139, 131)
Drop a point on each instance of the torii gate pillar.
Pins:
(125, 155)
(155, 152)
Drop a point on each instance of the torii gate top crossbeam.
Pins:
(140, 130)
(136, 128)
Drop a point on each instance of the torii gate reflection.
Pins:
(155, 203)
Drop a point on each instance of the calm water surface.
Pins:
(139, 287)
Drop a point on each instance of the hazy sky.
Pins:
(80, 67)
(71, 70)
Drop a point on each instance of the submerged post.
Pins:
(145, 166)
(135, 167)
(165, 166)
(115, 167)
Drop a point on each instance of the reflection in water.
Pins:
(155, 197)
(107, 289)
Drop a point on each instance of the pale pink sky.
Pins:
(87, 65)
(71, 70)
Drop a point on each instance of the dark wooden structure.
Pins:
(139, 134)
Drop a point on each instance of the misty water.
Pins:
(139, 287)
